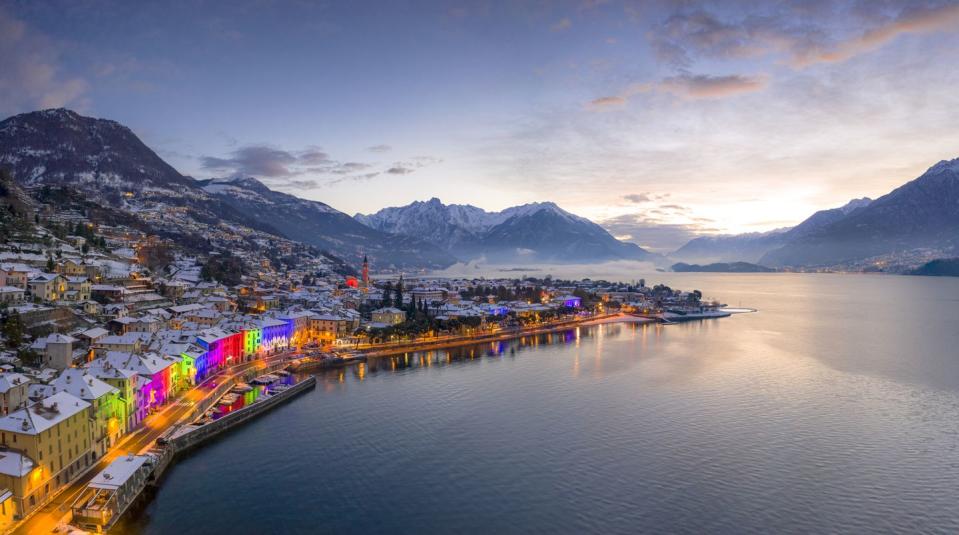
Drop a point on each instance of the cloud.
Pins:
(307, 168)
(31, 74)
(652, 233)
(705, 86)
(410, 166)
(355, 178)
(255, 160)
(288, 169)
(638, 197)
(608, 102)
(313, 156)
(562, 25)
(917, 19)
(380, 148)
(349, 168)
(803, 33)
(688, 86)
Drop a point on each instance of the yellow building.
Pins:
(389, 316)
(14, 388)
(47, 286)
(47, 446)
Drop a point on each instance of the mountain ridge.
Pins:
(107, 161)
(540, 231)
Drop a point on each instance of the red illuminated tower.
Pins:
(366, 273)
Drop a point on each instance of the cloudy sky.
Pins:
(662, 120)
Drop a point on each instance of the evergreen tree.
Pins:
(398, 294)
(387, 291)
(13, 329)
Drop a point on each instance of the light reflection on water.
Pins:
(835, 408)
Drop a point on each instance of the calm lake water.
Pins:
(835, 408)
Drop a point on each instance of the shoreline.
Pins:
(509, 335)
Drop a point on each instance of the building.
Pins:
(78, 289)
(328, 327)
(105, 410)
(47, 286)
(127, 383)
(389, 316)
(158, 376)
(57, 350)
(11, 294)
(14, 275)
(428, 295)
(47, 446)
(130, 342)
(111, 491)
(13, 392)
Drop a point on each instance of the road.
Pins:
(53, 513)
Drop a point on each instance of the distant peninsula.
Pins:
(943, 267)
(721, 267)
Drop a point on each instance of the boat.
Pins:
(265, 379)
(228, 399)
(241, 388)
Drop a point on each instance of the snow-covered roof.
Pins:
(10, 380)
(95, 332)
(15, 464)
(118, 472)
(81, 384)
(44, 414)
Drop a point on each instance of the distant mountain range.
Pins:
(916, 220)
(537, 232)
(721, 267)
(922, 214)
(109, 164)
(753, 247)
(944, 267)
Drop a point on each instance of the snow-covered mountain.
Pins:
(59, 146)
(921, 214)
(107, 164)
(319, 224)
(535, 232)
(752, 247)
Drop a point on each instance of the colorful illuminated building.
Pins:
(106, 409)
(276, 334)
(127, 384)
(158, 376)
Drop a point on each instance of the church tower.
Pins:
(366, 273)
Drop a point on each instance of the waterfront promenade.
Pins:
(427, 344)
(53, 514)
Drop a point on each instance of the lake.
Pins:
(834, 408)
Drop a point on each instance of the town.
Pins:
(106, 328)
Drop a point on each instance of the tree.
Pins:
(387, 291)
(398, 294)
(50, 264)
(13, 329)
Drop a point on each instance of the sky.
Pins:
(659, 120)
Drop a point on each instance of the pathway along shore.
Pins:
(505, 335)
